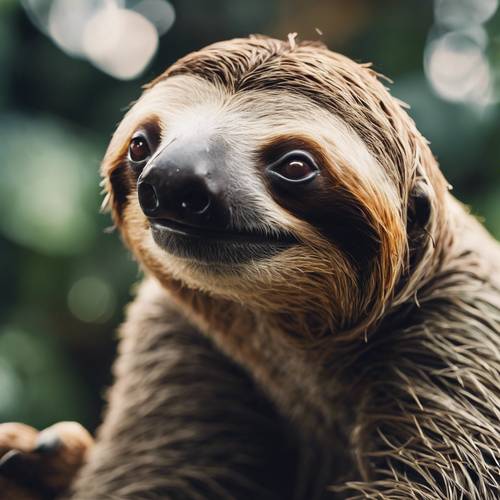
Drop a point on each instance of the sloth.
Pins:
(319, 316)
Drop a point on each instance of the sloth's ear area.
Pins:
(419, 206)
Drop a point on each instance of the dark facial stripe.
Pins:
(122, 183)
(324, 203)
(277, 147)
(124, 176)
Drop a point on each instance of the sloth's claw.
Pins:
(35, 465)
(48, 443)
(8, 462)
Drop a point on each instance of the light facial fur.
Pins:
(191, 109)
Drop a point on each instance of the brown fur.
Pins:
(382, 369)
(402, 367)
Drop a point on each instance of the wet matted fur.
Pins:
(364, 362)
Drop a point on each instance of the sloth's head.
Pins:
(277, 174)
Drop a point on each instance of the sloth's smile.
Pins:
(216, 246)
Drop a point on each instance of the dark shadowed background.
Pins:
(64, 279)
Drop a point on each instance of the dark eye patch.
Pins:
(278, 147)
(143, 143)
(323, 203)
(123, 178)
(293, 169)
(122, 182)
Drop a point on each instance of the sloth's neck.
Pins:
(293, 378)
(304, 383)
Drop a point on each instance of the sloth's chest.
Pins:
(303, 391)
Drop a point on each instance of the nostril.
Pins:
(195, 201)
(147, 198)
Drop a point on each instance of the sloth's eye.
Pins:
(295, 170)
(296, 167)
(138, 149)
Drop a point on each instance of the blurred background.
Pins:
(69, 68)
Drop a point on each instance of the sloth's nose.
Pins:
(184, 185)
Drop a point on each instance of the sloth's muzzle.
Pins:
(183, 191)
(186, 185)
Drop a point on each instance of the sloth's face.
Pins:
(255, 194)
(230, 180)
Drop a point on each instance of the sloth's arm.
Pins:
(183, 421)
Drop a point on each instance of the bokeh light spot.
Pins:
(460, 13)
(458, 69)
(91, 300)
(10, 387)
(120, 37)
(47, 182)
(159, 12)
(108, 43)
(67, 21)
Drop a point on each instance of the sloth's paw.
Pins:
(39, 465)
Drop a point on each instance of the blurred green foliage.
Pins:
(64, 279)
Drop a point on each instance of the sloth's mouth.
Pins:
(221, 234)
(214, 245)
